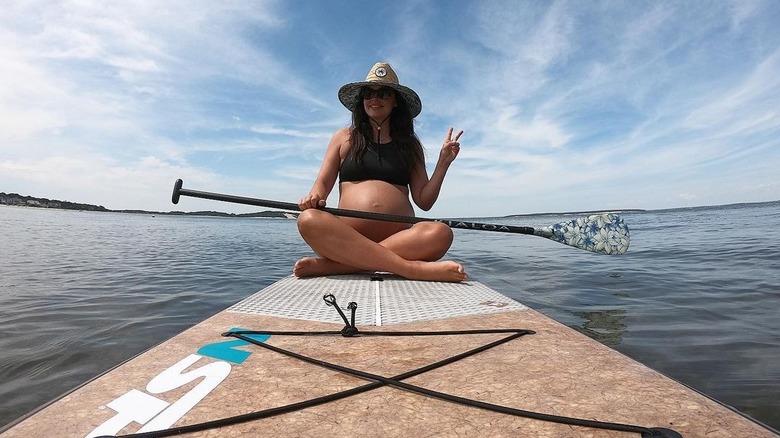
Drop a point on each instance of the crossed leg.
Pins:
(410, 253)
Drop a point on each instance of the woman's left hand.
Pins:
(450, 148)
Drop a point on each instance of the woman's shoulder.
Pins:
(341, 136)
(341, 141)
(343, 133)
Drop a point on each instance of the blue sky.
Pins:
(566, 105)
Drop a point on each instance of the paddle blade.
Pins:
(603, 233)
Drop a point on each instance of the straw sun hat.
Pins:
(380, 74)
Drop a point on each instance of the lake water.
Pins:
(697, 296)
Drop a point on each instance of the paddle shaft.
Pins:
(179, 191)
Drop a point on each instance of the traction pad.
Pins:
(383, 299)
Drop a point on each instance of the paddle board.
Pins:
(408, 358)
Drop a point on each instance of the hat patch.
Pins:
(381, 73)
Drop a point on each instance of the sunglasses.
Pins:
(383, 93)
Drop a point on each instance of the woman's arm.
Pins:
(425, 191)
(329, 170)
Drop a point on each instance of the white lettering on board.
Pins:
(172, 378)
(142, 408)
(132, 406)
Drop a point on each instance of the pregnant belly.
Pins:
(376, 197)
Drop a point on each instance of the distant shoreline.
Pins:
(586, 212)
(16, 200)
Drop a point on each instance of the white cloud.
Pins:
(747, 106)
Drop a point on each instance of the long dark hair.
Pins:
(401, 131)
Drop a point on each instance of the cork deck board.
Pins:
(200, 376)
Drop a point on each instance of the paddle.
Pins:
(601, 233)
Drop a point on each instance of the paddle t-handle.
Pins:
(604, 233)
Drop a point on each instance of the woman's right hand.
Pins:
(312, 200)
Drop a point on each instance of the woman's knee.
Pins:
(437, 237)
(440, 232)
(309, 220)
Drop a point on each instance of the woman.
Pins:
(379, 162)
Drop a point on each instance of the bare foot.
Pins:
(318, 267)
(446, 270)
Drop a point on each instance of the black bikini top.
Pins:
(381, 162)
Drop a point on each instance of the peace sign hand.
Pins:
(451, 147)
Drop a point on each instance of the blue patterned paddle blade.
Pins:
(603, 233)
